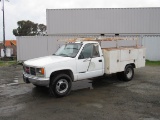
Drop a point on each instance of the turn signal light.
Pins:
(42, 71)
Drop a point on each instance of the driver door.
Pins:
(89, 62)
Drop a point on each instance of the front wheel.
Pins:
(60, 85)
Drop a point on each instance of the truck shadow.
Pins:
(40, 92)
(80, 85)
(95, 83)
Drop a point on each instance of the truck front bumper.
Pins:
(35, 80)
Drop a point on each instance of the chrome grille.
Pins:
(32, 71)
(27, 70)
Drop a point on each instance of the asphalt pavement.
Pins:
(106, 99)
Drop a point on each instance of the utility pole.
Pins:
(4, 47)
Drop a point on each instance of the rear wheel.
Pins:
(60, 85)
(127, 74)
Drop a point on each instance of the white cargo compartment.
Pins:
(9, 52)
(2, 53)
(117, 58)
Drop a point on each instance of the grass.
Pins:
(152, 63)
(7, 63)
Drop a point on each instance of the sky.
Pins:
(35, 10)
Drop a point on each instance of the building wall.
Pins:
(103, 20)
(33, 47)
(36, 46)
(152, 44)
(70, 23)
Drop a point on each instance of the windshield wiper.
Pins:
(64, 55)
(72, 48)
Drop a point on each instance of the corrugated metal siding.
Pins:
(32, 47)
(105, 20)
(152, 45)
(29, 47)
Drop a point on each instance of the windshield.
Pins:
(69, 50)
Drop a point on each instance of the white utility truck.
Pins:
(80, 59)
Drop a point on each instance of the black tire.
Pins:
(60, 85)
(127, 74)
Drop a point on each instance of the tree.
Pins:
(29, 28)
(42, 29)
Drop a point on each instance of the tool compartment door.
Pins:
(128, 54)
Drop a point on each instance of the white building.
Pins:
(68, 23)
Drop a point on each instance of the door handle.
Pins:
(100, 60)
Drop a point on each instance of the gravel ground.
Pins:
(89, 100)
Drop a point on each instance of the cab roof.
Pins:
(85, 42)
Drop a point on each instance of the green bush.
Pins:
(152, 63)
(7, 63)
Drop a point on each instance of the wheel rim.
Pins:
(129, 73)
(62, 86)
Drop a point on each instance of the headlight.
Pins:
(40, 72)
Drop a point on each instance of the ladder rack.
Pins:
(81, 39)
(101, 39)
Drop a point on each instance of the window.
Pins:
(95, 50)
(69, 50)
(89, 51)
(86, 52)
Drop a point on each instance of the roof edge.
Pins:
(104, 8)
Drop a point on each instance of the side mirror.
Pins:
(81, 56)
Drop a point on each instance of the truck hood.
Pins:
(43, 61)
